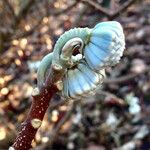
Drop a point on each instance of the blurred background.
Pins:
(117, 117)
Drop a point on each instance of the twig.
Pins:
(111, 15)
(58, 12)
(125, 78)
(79, 16)
(9, 35)
(120, 79)
(10, 8)
(109, 94)
(38, 108)
(116, 99)
(55, 105)
(27, 33)
(24, 10)
(97, 6)
(122, 9)
(41, 98)
(61, 122)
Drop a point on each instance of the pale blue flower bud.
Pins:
(105, 46)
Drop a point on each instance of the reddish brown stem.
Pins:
(39, 106)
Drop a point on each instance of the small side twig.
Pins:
(58, 12)
(108, 13)
(97, 6)
(125, 77)
(27, 33)
(10, 8)
(79, 16)
(55, 105)
(60, 123)
(117, 100)
(122, 9)
(24, 10)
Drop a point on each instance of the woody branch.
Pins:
(40, 103)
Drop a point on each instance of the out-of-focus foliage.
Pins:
(120, 117)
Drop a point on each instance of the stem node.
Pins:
(36, 123)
